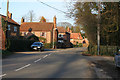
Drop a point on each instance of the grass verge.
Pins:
(92, 54)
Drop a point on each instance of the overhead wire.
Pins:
(53, 7)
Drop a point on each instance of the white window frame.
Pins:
(60, 36)
(15, 29)
(9, 27)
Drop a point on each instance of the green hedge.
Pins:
(20, 44)
(48, 45)
(79, 45)
(104, 50)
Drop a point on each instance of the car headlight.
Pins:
(38, 46)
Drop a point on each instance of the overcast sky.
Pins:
(19, 8)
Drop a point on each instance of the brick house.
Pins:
(63, 38)
(76, 38)
(42, 29)
(12, 29)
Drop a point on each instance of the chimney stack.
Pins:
(68, 29)
(10, 15)
(22, 20)
(54, 20)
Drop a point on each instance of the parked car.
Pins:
(117, 59)
(37, 46)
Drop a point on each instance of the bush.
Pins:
(104, 50)
(80, 45)
(48, 45)
(33, 37)
(20, 45)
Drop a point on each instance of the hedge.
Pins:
(104, 50)
(80, 45)
(48, 45)
(20, 44)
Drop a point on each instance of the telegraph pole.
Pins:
(6, 25)
(7, 9)
(98, 28)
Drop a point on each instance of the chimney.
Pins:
(10, 15)
(22, 20)
(68, 29)
(42, 20)
(54, 20)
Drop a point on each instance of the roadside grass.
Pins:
(87, 53)
(6, 53)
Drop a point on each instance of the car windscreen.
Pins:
(36, 43)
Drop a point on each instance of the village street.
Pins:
(61, 63)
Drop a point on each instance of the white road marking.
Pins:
(37, 60)
(50, 53)
(23, 67)
(45, 56)
(3, 75)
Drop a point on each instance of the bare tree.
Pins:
(30, 16)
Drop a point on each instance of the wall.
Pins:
(12, 32)
(73, 41)
(2, 36)
(47, 35)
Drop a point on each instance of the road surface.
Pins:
(63, 63)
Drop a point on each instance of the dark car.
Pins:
(37, 46)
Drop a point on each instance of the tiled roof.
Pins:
(75, 36)
(61, 29)
(9, 20)
(36, 26)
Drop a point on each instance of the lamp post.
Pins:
(98, 28)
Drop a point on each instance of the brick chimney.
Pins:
(22, 20)
(54, 21)
(9, 15)
(68, 29)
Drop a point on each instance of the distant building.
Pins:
(42, 29)
(76, 38)
(63, 38)
(85, 42)
(12, 29)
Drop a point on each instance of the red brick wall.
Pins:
(12, 32)
(2, 37)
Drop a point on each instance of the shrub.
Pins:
(33, 37)
(20, 44)
(104, 50)
(47, 45)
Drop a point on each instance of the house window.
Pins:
(9, 27)
(60, 41)
(60, 35)
(15, 29)
(43, 34)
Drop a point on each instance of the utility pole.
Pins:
(98, 28)
(7, 10)
(53, 38)
(6, 24)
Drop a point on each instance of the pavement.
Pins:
(60, 63)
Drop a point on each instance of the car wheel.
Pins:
(39, 50)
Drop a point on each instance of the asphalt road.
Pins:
(66, 63)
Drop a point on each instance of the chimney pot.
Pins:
(22, 20)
